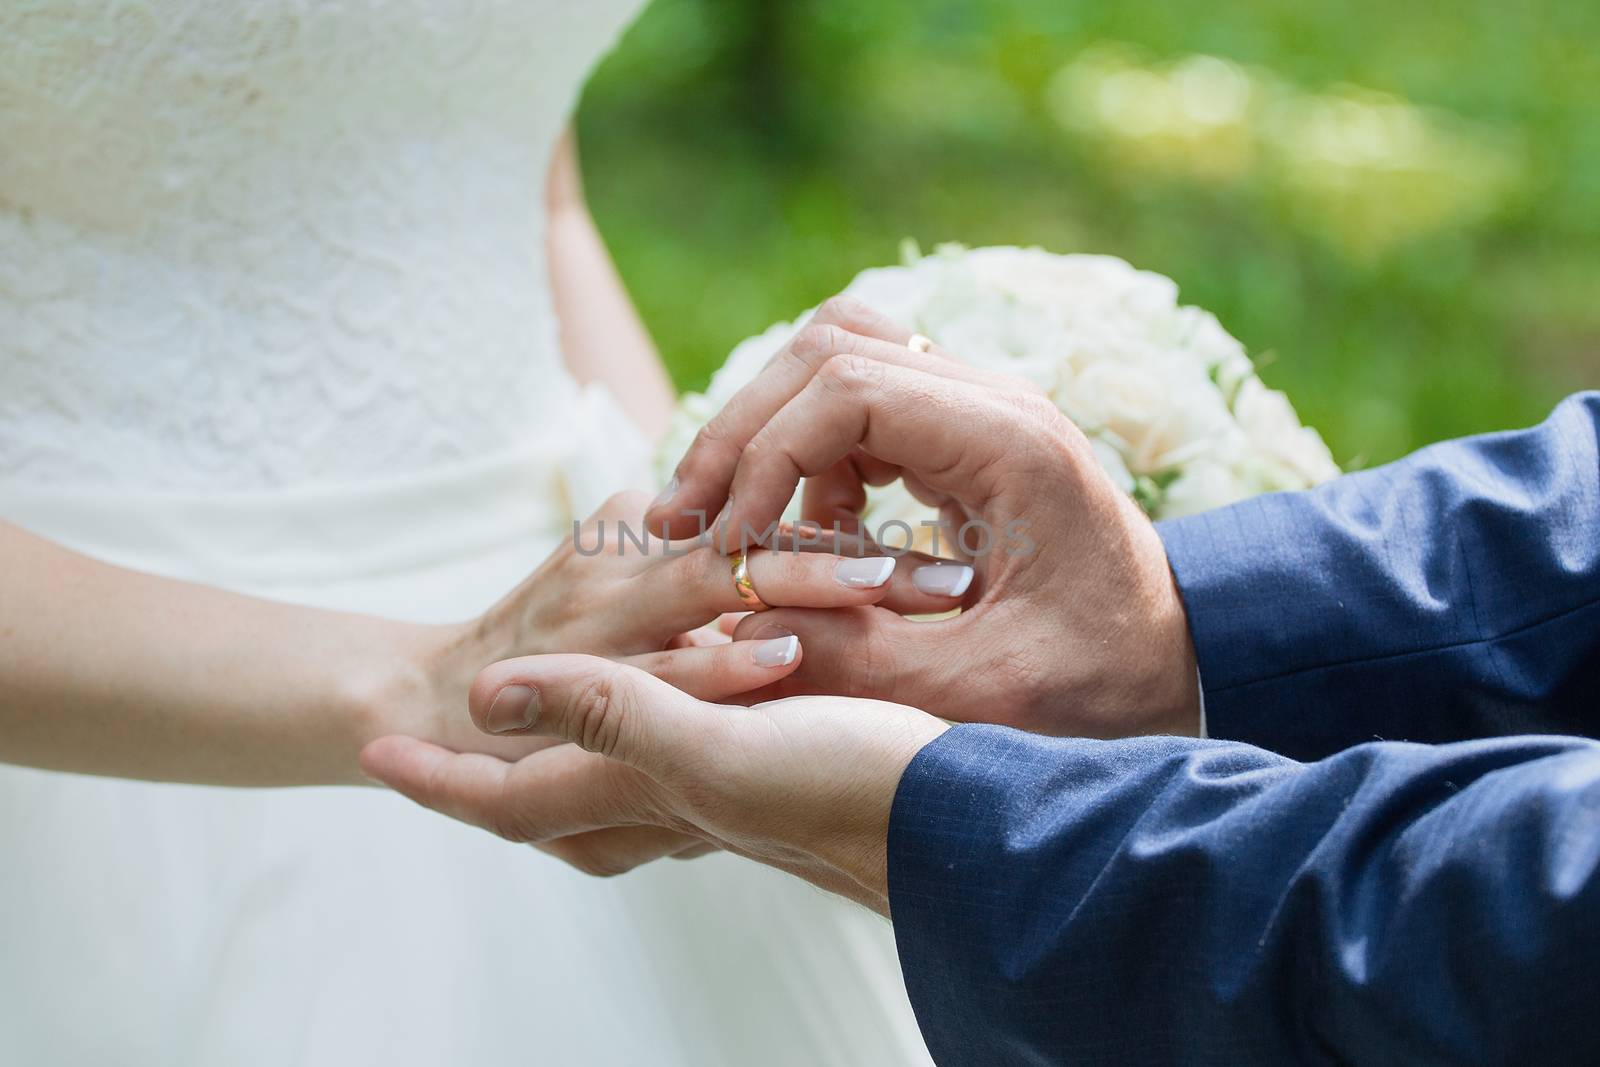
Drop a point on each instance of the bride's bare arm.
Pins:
(602, 337)
(113, 672)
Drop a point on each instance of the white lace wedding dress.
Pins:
(274, 316)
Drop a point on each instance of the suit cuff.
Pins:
(995, 838)
(1233, 570)
(959, 892)
(941, 832)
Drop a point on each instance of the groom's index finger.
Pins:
(698, 490)
(962, 440)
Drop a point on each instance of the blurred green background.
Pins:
(1395, 206)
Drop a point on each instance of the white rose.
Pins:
(1202, 336)
(1118, 399)
(1111, 462)
(1269, 421)
(901, 293)
(1015, 341)
(746, 361)
(1159, 388)
(1231, 373)
(694, 411)
(1204, 485)
(1072, 288)
(1157, 420)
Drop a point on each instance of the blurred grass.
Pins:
(745, 158)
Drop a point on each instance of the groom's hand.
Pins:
(1072, 622)
(804, 785)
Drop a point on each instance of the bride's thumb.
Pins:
(605, 707)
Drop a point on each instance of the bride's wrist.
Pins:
(416, 677)
(430, 672)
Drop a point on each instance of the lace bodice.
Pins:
(280, 242)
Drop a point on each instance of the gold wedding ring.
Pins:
(920, 343)
(742, 584)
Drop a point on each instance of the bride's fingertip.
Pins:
(776, 651)
(867, 572)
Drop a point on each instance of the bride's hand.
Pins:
(615, 590)
(612, 590)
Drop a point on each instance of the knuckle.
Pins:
(757, 450)
(711, 435)
(1034, 405)
(846, 311)
(701, 573)
(596, 716)
(844, 375)
(795, 360)
(869, 669)
(1044, 409)
(767, 456)
(817, 342)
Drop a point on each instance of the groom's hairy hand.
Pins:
(804, 785)
(1071, 622)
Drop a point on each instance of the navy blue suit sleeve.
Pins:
(1166, 900)
(1452, 595)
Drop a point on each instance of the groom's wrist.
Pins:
(854, 839)
(1149, 685)
(1178, 674)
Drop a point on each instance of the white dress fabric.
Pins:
(274, 316)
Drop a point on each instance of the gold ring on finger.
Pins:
(742, 584)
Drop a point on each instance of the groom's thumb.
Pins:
(604, 707)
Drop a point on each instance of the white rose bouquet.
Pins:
(1170, 401)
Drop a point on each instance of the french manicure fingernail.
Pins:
(869, 572)
(942, 579)
(666, 494)
(779, 652)
(514, 708)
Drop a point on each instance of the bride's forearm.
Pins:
(112, 672)
(602, 337)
